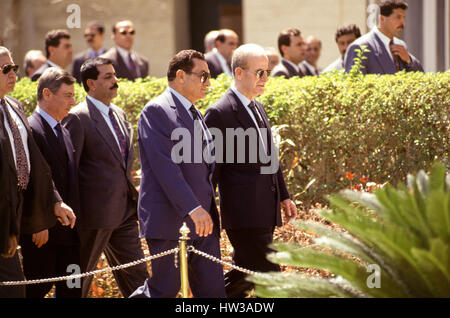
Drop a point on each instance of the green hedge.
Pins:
(380, 127)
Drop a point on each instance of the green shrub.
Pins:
(405, 232)
(382, 127)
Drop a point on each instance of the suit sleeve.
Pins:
(76, 71)
(350, 57)
(213, 120)
(156, 147)
(415, 65)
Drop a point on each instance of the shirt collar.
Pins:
(124, 53)
(309, 66)
(292, 64)
(53, 64)
(92, 52)
(183, 100)
(104, 109)
(244, 100)
(48, 118)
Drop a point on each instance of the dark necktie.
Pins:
(120, 136)
(395, 57)
(21, 156)
(259, 120)
(133, 69)
(60, 137)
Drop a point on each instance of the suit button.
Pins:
(273, 189)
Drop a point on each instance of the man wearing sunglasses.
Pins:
(29, 201)
(128, 63)
(58, 49)
(176, 191)
(94, 35)
(251, 199)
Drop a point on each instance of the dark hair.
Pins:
(348, 29)
(221, 37)
(89, 70)
(285, 37)
(183, 60)
(53, 78)
(95, 24)
(388, 6)
(53, 37)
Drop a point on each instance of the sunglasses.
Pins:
(204, 76)
(7, 68)
(260, 73)
(87, 35)
(125, 32)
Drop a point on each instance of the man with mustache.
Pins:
(94, 35)
(388, 54)
(103, 143)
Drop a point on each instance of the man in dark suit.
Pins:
(127, 62)
(58, 49)
(94, 35)
(174, 191)
(219, 59)
(292, 50)
(103, 142)
(29, 199)
(388, 54)
(312, 54)
(250, 191)
(345, 35)
(52, 257)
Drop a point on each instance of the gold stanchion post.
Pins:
(184, 231)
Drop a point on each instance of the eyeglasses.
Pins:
(260, 73)
(125, 32)
(7, 68)
(88, 35)
(204, 76)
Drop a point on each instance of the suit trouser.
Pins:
(50, 260)
(250, 251)
(120, 245)
(11, 270)
(205, 276)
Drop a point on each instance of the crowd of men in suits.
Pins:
(66, 172)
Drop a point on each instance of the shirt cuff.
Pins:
(193, 210)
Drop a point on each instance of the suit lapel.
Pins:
(104, 131)
(291, 70)
(8, 149)
(128, 131)
(386, 63)
(240, 111)
(181, 112)
(121, 65)
(52, 140)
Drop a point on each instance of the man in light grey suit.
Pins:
(102, 139)
(388, 54)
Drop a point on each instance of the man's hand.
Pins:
(40, 238)
(12, 247)
(65, 214)
(401, 52)
(203, 222)
(289, 209)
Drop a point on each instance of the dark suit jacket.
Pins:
(40, 196)
(248, 199)
(63, 170)
(40, 71)
(378, 60)
(286, 70)
(121, 68)
(107, 194)
(213, 64)
(169, 191)
(78, 61)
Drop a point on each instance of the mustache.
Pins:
(114, 86)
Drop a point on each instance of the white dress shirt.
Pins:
(245, 101)
(22, 130)
(104, 110)
(49, 119)
(386, 41)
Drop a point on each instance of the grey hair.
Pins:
(243, 53)
(5, 51)
(30, 57)
(53, 78)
